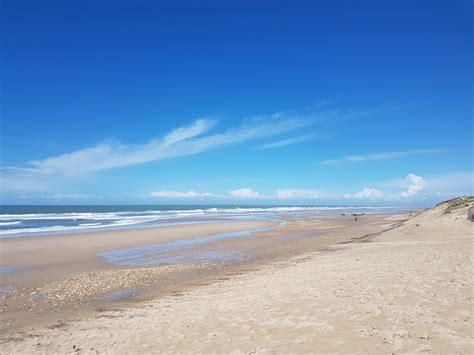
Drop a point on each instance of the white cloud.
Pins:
(285, 194)
(369, 194)
(244, 193)
(451, 184)
(42, 175)
(39, 196)
(412, 186)
(416, 185)
(115, 154)
(288, 141)
(16, 180)
(52, 173)
(71, 197)
(181, 195)
(380, 156)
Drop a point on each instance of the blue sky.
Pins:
(322, 102)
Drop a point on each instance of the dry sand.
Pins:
(407, 289)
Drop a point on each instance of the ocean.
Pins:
(17, 221)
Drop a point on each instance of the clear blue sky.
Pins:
(352, 102)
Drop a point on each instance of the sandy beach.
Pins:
(236, 177)
(389, 284)
(56, 249)
(57, 275)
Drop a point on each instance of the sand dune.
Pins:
(408, 289)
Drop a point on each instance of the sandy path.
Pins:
(409, 289)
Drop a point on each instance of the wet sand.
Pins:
(37, 251)
(57, 276)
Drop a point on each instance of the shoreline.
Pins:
(33, 265)
(70, 287)
(30, 251)
(74, 220)
(387, 284)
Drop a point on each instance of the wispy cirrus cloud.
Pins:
(191, 194)
(39, 175)
(50, 173)
(381, 156)
(72, 196)
(58, 197)
(289, 141)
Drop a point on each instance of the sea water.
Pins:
(18, 221)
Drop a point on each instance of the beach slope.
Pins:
(404, 290)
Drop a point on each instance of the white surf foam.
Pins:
(9, 223)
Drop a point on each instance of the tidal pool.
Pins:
(178, 252)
